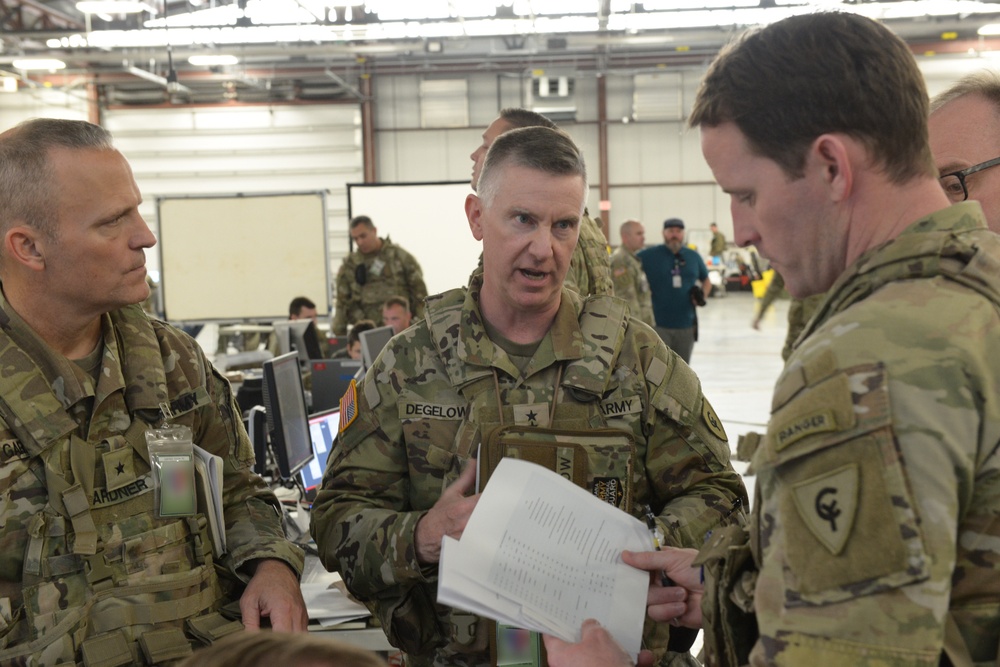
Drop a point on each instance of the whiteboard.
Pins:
(427, 220)
(242, 256)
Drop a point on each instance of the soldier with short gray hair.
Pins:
(515, 360)
(107, 558)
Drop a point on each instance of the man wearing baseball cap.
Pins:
(679, 282)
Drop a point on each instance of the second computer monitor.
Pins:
(287, 419)
(372, 342)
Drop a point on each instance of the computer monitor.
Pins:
(298, 336)
(330, 380)
(323, 431)
(256, 423)
(287, 419)
(372, 342)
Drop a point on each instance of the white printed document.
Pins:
(543, 554)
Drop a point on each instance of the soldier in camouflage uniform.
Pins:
(874, 541)
(718, 244)
(630, 280)
(89, 574)
(515, 348)
(590, 268)
(377, 270)
(799, 311)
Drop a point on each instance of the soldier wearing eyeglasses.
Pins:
(964, 131)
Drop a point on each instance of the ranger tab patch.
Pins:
(828, 504)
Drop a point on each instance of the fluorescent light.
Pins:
(989, 30)
(9, 84)
(113, 7)
(38, 63)
(213, 60)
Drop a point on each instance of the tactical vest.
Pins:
(577, 407)
(731, 558)
(104, 582)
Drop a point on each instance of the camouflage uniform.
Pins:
(81, 555)
(589, 267)
(428, 402)
(799, 311)
(389, 272)
(718, 245)
(631, 284)
(877, 527)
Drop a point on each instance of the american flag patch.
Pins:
(348, 406)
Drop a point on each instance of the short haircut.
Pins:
(26, 188)
(628, 224)
(397, 301)
(354, 335)
(794, 80)
(362, 220)
(551, 151)
(269, 648)
(517, 117)
(298, 303)
(985, 83)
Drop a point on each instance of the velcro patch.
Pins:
(712, 420)
(820, 421)
(12, 450)
(828, 504)
(531, 414)
(349, 406)
(416, 410)
(119, 470)
(621, 407)
(609, 489)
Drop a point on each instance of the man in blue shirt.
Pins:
(673, 271)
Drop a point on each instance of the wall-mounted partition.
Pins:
(230, 257)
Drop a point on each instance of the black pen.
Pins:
(654, 531)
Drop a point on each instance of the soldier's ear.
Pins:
(26, 246)
(474, 212)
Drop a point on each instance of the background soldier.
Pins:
(377, 270)
(879, 479)
(626, 271)
(718, 245)
(515, 348)
(89, 566)
(590, 269)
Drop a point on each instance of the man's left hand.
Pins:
(274, 592)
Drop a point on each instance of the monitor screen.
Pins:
(298, 336)
(287, 419)
(256, 423)
(372, 342)
(323, 430)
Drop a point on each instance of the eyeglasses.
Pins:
(954, 183)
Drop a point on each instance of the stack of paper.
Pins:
(328, 603)
(208, 481)
(543, 554)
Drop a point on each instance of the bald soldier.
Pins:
(589, 270)
(630, 280)
(516, 361)
(101, 563)
(874, 539)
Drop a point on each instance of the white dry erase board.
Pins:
(242, 256)
(426, 219)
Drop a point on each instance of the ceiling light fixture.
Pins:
(113, 7)
(38, 63)
(213, 60)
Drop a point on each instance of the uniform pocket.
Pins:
(834, 493)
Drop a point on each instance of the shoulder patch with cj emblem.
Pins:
(712, 419)
(828, 504)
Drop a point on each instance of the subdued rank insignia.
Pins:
(609, 489)
(712, 420)
(828, 504)
(119, 470)
(532, 414)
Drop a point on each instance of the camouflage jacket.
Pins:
(589, 267)
(884, 447)
(81, 554)
(631, 284)
(389, 272)
(415, 430)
